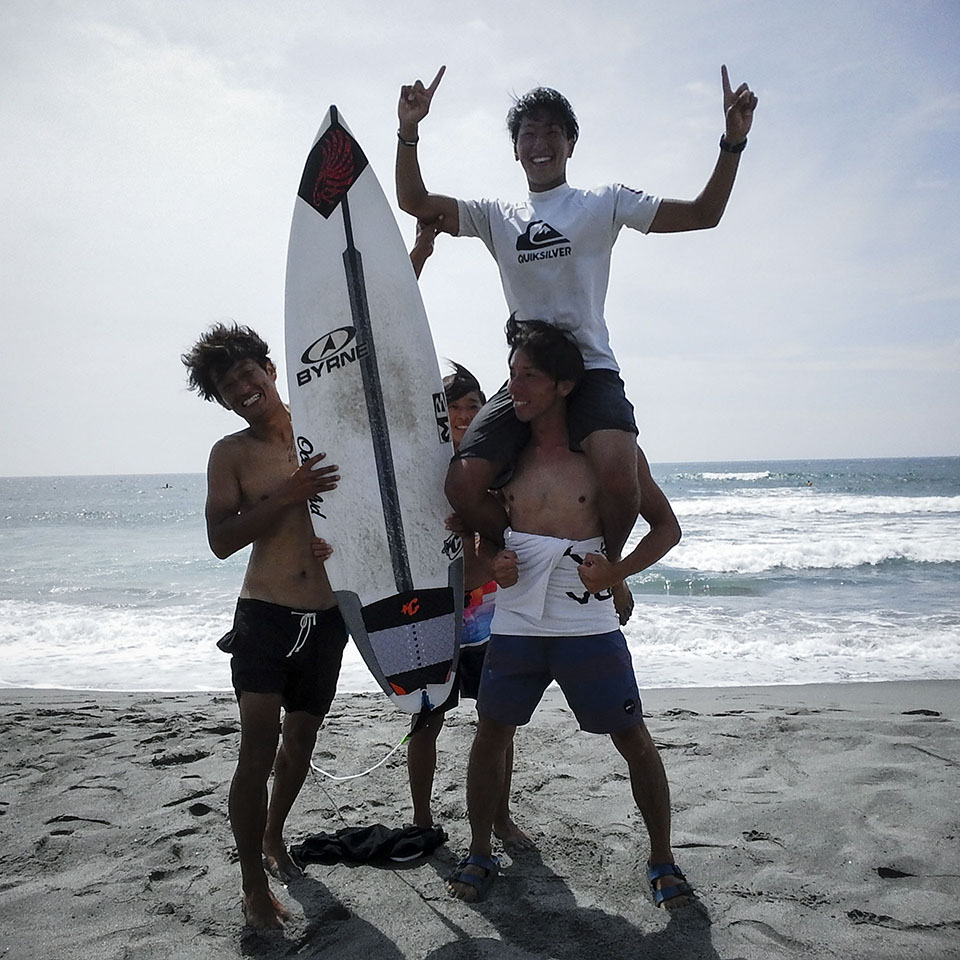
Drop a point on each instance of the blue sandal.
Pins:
(481, 884)
(662, 897)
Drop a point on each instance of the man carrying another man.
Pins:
(547, 626)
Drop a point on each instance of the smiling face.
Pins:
(248, 389)
(533, 392)
(543, 148)
(461, 413)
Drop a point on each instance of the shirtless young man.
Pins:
(546, 626)
(553, 251)
(288, 636)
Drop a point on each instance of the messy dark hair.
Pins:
(547, 101)
(459, 383)
(217, 351)
(548, 348)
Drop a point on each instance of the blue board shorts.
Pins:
(295, 653)
(594, 672)
(598, 403)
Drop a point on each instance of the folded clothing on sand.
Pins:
(369, 844)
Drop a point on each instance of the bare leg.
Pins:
(467, 488)
(484, 787)
(421, 766)
(289, 771)
(259, 732)
(503, 826)
(652, 796)
(613, 456)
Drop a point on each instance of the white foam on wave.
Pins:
(752, 535)
(825, 550)
(792, 504)
(674, 643)
(92, 648)
(743, 477)
(692, 644)
(50, 644)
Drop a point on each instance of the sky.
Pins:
(152, 150)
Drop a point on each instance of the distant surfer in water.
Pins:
(553, 250)
(288, 637)
(547, 627)
(464, 400)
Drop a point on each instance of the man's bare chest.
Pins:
(262, 469)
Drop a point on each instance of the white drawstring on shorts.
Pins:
(307, 621)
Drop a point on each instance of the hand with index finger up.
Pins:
(738, 107)
(414, 102)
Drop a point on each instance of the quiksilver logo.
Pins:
(542, 242)
(540, 234)
(332, 351)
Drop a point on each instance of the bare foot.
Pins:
(277, 862)
(622, 601)
(262, 910)
(512, 836)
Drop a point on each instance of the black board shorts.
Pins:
(598, 403)
(469, 671)
(295, 653)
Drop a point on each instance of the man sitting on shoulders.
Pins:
(553, 249)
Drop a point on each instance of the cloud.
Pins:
(151, 155)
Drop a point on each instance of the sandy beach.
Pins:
(816, 821)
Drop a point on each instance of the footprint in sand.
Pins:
(170, 759)
(752, 836)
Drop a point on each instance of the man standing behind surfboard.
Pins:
(288, 636)
(553, 251)
(464, 400)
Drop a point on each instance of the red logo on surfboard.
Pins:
(332, 167)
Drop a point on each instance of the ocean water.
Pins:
(788, 572)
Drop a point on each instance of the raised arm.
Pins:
(230, 525)
(597, 573)
(674, 216)
(412, 195)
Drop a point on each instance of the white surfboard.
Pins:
(365, 388)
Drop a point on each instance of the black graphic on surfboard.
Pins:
(364, 386)
(332, 168)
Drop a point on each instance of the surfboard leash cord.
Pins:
(356, 776)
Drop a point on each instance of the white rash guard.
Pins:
(554, 250)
